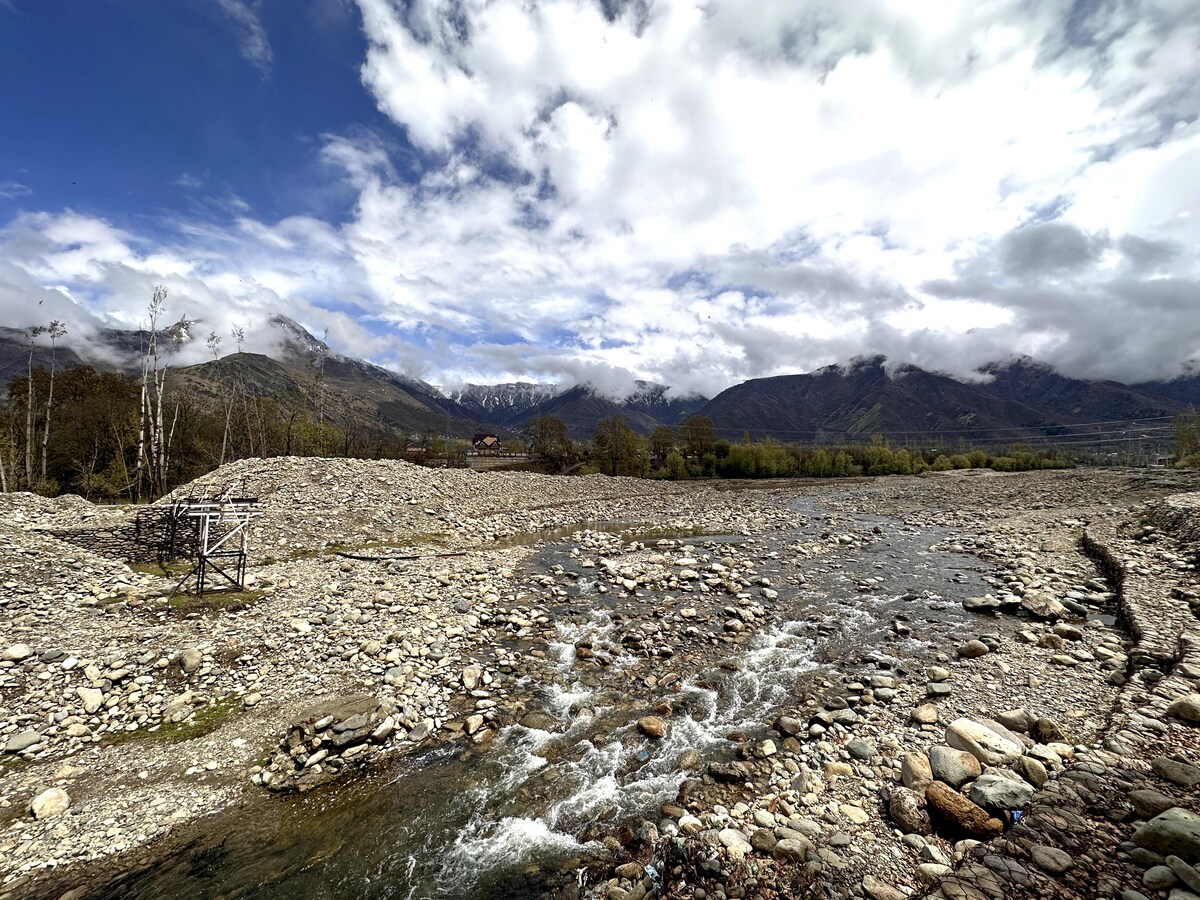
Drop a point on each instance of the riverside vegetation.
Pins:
(86, 432)
(959, 684)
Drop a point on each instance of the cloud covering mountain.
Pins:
(689, 193)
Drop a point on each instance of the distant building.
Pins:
(486, 444)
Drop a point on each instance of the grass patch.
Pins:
(205, 720)
(215, 601)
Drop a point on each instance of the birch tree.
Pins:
(56, 330)
(34, 333)
(214, 344)
(152, 445)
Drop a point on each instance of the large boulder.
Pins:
(16, 653)
(91, 698)
(1175, 832)
(1000, 794)
(988, 741)
(22, 741)
(960, 814)
(49, 803)
(954, 767)
(915, 771)
(1186, 708)
(907, 809)
(1041, 606)
(973, 650)
(652, 727)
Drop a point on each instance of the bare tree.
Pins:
(3, 470)
(34, 333)
(214, 344)
(152, 442)
(57, 329)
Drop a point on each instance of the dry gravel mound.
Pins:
(310, 503)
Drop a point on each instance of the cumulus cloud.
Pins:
(699, 193)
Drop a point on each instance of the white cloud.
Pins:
(704, 192)
(246, 15)
(12, 190)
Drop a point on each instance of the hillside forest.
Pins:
(114, 436)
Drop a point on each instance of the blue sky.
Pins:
(139, 109)
(563, 190)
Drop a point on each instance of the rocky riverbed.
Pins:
(963, 685)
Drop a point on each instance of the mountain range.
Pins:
(1018, 399)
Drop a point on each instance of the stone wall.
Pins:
(145, 536)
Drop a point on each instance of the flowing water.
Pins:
(460, 822)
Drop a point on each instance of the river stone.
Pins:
(960, 813)
(973, 650)
(1042, 607)
(1032, 770)
(1159, 878)
(1175, 832)
(789, 725)
(652, 727)
(689, 824)
(729, 773)
(22, 741)
(763, 840)
(190, 660)
(470, 677)
(925, 714)
(419, 732)
(861, 749)
(1187, 874)
(92, 699)
(16, 653)
(1018, 720)
(1186, 708)
(929, 873)
(986, 603)
(988, 742)
(49, 803)
(1068, 632)
(937, 673)
(1148, 804)
(735, 843)
(855, 814)
(690, 760)
(955, 767)
(1050, 859)
(907, 809)
(915, 771)
(795, 849)
(1046, 731)
(880, 890)
(1000, 794)
(1176, 772)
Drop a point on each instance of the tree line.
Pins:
(113, 436)
(110, 436)
(692, 450)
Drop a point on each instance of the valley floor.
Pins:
(1030, 646)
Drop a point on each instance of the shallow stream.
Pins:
(467, 822)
